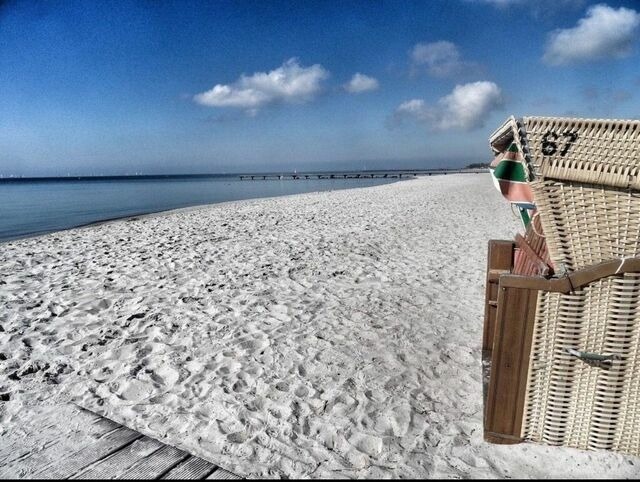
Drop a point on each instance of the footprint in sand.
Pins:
(301, 391)
(237, 437)
(136, 390)
(239, 386)
(227, 368)
(282, 386)
(255, 345)
(368, 444)
(255, 405)
(165, 375)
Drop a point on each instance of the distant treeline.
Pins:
(478, 165)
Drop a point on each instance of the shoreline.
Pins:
(177, 210)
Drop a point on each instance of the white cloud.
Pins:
(469, 104)
(361, 83)
(441, 58)
(289, 83)
(416, 109)
(466, 107)
(604, 32)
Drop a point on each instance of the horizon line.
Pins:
(224, 174)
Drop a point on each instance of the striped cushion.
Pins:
(510, 178)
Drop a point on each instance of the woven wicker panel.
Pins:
(605, 152)
(586, 224)
(570, 402)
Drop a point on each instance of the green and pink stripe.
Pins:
(510, 177)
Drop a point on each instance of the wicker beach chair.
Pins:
(564, 351)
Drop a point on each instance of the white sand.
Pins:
(319, 335)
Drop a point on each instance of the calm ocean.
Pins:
(37, 207)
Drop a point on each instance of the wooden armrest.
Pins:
(575, 280)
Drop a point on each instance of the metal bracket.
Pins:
(594, 359)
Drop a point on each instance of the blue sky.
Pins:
(191, 87)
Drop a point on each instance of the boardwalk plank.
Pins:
(33, 461)
(120, 461)
(156, 464)
(94, 447)
(223, 474)
(104, 446)
(192, 468)
(49, 425)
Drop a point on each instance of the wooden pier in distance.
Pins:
(404, 174)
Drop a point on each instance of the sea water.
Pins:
(29, 208)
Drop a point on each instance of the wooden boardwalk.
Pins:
(113, 452)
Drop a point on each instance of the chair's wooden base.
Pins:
(504, 407)
(491, 437)
(508, 332)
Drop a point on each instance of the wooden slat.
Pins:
(156, 464)
(91, 424)
(499, 260)
(504, 405)
(541, 267)
(192, 468)
(29, 462)
(121, 461)
(103, 447)
(556, 285)
(223, 474)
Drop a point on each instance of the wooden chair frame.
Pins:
(510, 313)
